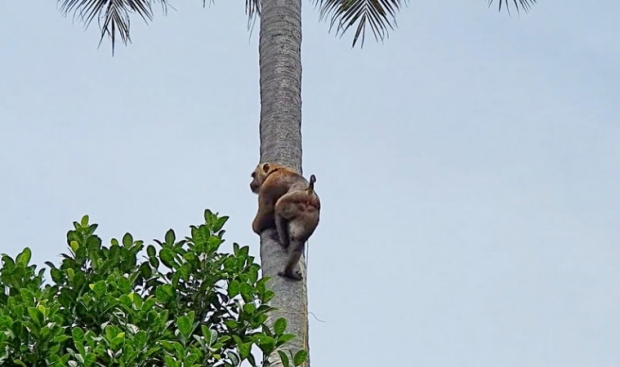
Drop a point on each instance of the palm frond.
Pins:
(113, 16)
(526, 5)
(378, 14)
(252, 10)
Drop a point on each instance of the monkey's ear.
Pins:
(266, 167)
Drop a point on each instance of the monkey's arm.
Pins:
(264, 217)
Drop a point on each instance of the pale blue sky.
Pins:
(468, 167)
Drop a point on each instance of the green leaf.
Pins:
(170, 237)
(253, 271)
(219, 223)
(8, 262)
(140, 339)
(127, 240)
(90, 359)
(154, 261)
(84, 221)
(232, 324)
(28, 296)
(137, 300)
(43, 309)
(23, 258)
(189, 256)
(57, 275)
(185, 326)
(284, 359)
(118, 341)
(268, 295)
(170, 362)
(167, 345)
(214, 336)
(36, 316)
(300, 357)
(237, 339)
(150, 250)
(78, 334)
(233, 358)
(233, 288)
(185, 270)
(149, 304)
(111, 332)
(175, 279)
(279, 326)
(163, 293)
(285, 338)
(246, 291)
(244, 350)
(99, 288)
(261, 285)
(167, 257)
(124, 285)
(249, 308)
(267, 344)
(229, 263)
(92, 228)
(209, 217)
(60, 339)
(146, 271)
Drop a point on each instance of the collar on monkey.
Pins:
(273, 171)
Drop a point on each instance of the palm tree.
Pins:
(280, 94)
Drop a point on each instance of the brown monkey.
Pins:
(270, 181)
(296, 216)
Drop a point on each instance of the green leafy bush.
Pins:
(185, 304)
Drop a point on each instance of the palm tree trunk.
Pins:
(280, 141)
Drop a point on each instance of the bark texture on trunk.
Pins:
(280, 141)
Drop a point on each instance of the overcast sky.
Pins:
(468, 167)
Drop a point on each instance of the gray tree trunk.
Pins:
(280, 141)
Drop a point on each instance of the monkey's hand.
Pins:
(255, 228)
(262, 222)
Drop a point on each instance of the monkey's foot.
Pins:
(291, 275)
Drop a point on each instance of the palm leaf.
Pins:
(526, 5)
(113, 16)
(252, 10)
(378, 14)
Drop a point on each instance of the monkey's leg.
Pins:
(283, 232)
(295, 252)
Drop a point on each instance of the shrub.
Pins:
(183, 304)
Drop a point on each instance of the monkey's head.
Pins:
(260, 175)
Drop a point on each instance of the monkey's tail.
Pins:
(310, 191)
(311, 184)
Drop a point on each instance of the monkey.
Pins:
(297, 216)
(297, 213)
(271, 181)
